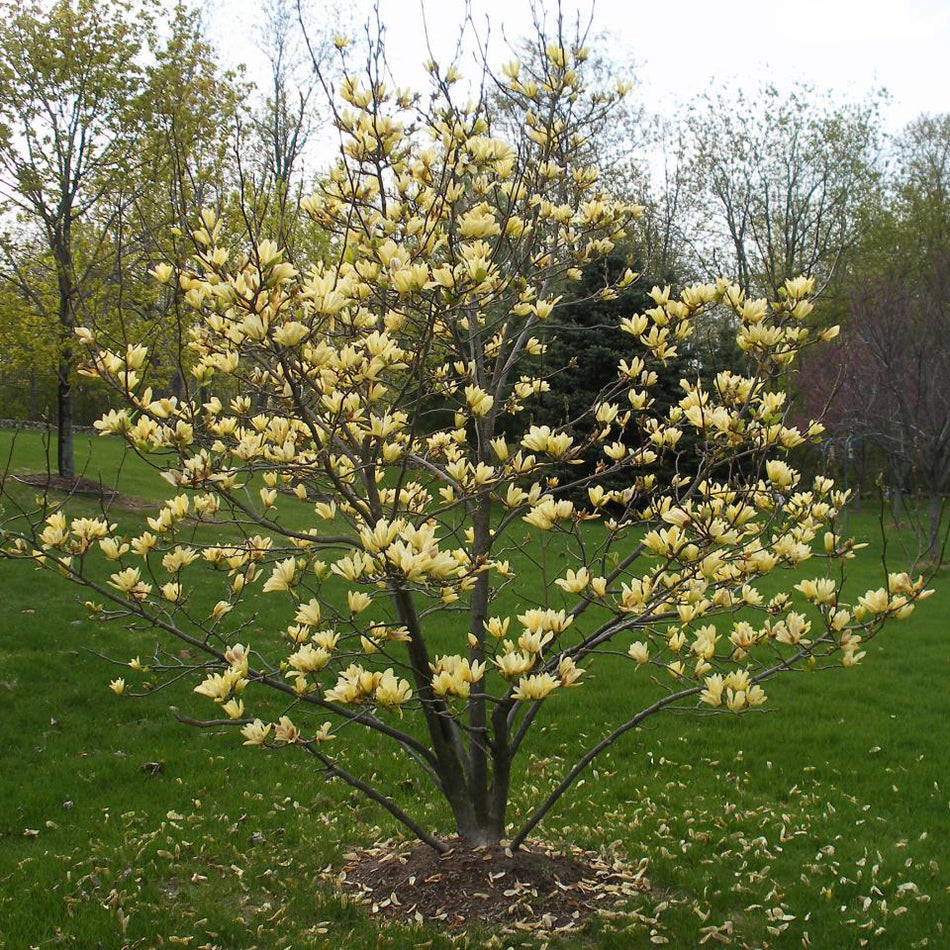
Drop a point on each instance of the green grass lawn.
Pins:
(823, 822)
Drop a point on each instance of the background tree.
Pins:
(28, 342)
(274, 151)
(286, 120)
(176, 155)
(670, 201)
(187, 164)
(778, 179)
(582, 342)
(888, 378)
(70, 81)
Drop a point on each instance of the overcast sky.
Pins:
(681, 46)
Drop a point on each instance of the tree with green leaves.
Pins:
(188, 149)
(139, 135)
(70, 86)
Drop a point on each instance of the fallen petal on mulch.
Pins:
(536, 889)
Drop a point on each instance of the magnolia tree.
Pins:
(337, 451)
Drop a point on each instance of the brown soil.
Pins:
(531, 890)
(85, 487)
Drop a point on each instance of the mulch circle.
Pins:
(74, 486)
(85, 487)
(533, 890)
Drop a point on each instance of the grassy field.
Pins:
(823, 822)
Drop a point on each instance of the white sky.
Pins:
(681, 46)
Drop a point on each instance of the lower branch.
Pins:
(592, 753)
(377, 797)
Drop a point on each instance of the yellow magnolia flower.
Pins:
(569, 673)
(112, 548)
(873, 602)
(255, 733)
(309, 659)
(497, 627)
(535, 688)
(358, 601)
(712, 694)
(574, 581)
(392, 691)
(127, 580)
(780, 474)
(282, 576)
(512, 665)
(309, 613)
(639, 651)
(171, 592)
(285, 731)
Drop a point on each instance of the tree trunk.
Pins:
(64, 394)
(477, 704)
(934, 511)
(477, 833)
(897, 491)
(481, 821)
(34, 409)
(445, 741)
(64, 416)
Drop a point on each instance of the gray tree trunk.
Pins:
(65, 460)
(934, 511)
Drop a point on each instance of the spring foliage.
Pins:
(362, 398)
